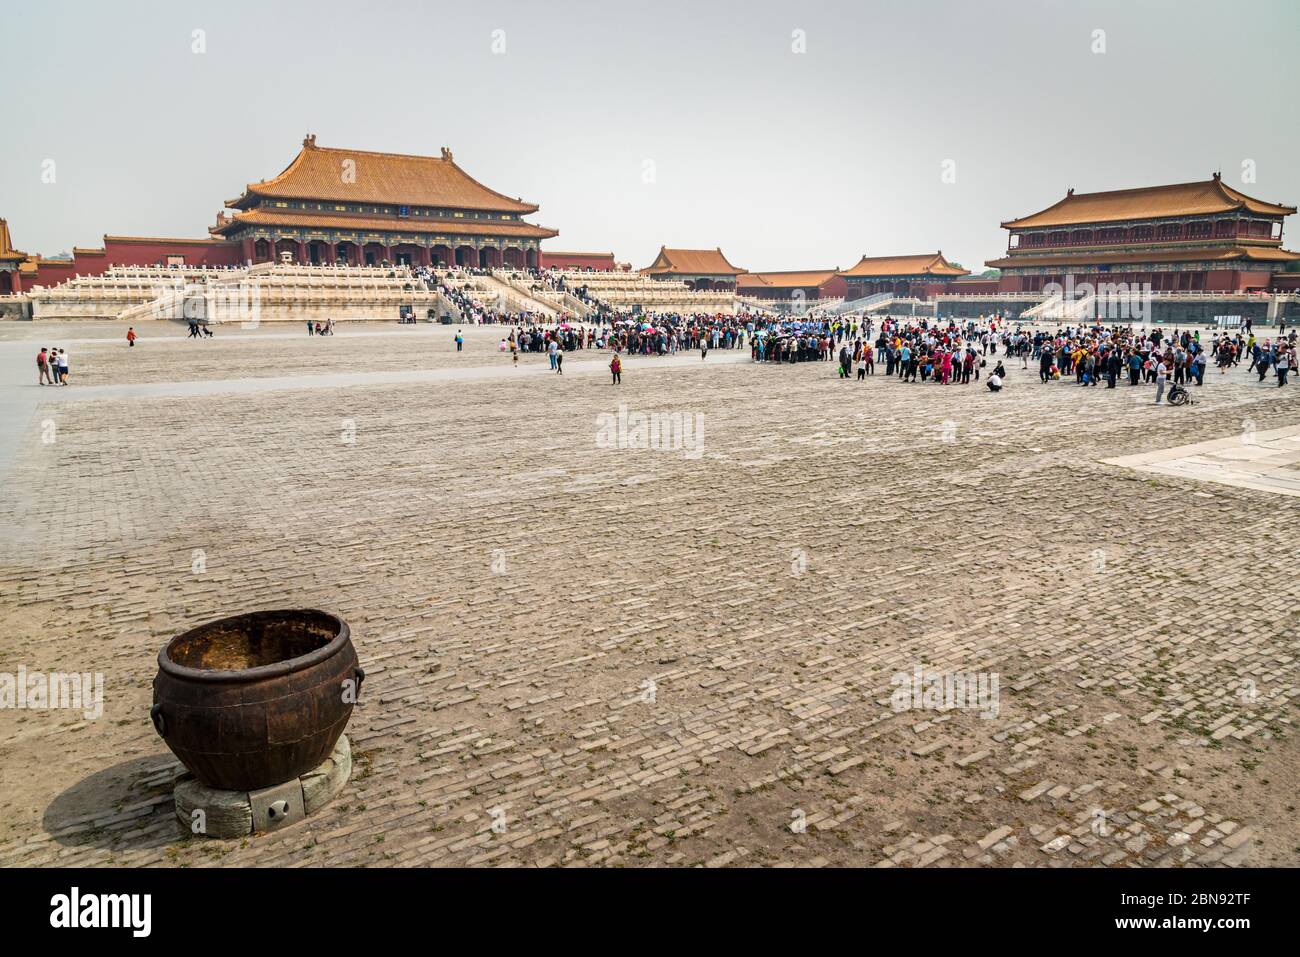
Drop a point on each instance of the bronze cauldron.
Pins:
(256, 700)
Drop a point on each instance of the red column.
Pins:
(246, 249)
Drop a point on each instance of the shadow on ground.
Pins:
(111, 808)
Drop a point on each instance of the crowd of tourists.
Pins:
(1144, 357)
(922, 350)
(911, 349)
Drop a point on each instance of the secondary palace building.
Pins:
(333, 205)
(698, 268)
(806, 285)
(1188, 237)
(918, 277)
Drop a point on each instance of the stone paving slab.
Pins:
(1263, 461)
(580, 655)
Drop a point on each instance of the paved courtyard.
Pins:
(588, 655)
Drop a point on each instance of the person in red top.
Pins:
(43, 367)
(130, 336)
(616, 369)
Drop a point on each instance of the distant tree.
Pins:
(991, 274)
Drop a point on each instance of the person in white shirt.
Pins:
(995, 383)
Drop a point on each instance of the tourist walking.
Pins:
(460, 343)
(43, 367)
(130, 336)
(616, 369)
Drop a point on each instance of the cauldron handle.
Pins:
(360, 674)
(159, 722)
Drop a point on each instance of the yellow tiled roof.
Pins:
(465, 227)
(691, 262)
(1148, 202)
(786, 280)
(319, 172)
(926, 264)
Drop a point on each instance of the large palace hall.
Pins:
(334, 205)
(1188, 237)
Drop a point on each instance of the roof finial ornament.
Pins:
(309, 141)
(446, 154)
(1070, 191)
(1218, 175)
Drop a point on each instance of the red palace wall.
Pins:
(834, 288)
(602, 261)
(1225, 280)
(124, 251)
(976, 287)
(1246, 280)
(1216, 280)
(52, 273)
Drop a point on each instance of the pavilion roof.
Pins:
(790, 279)
(1149, 202)
(293, 219)
(1207, 254)
(925, 264)
(692, 262)
(323, 173)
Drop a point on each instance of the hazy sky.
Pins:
(639, 124)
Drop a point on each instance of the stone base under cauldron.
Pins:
(210, 812)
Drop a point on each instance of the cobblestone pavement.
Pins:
(584, 655)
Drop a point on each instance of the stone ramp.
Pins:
(1264, 461)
